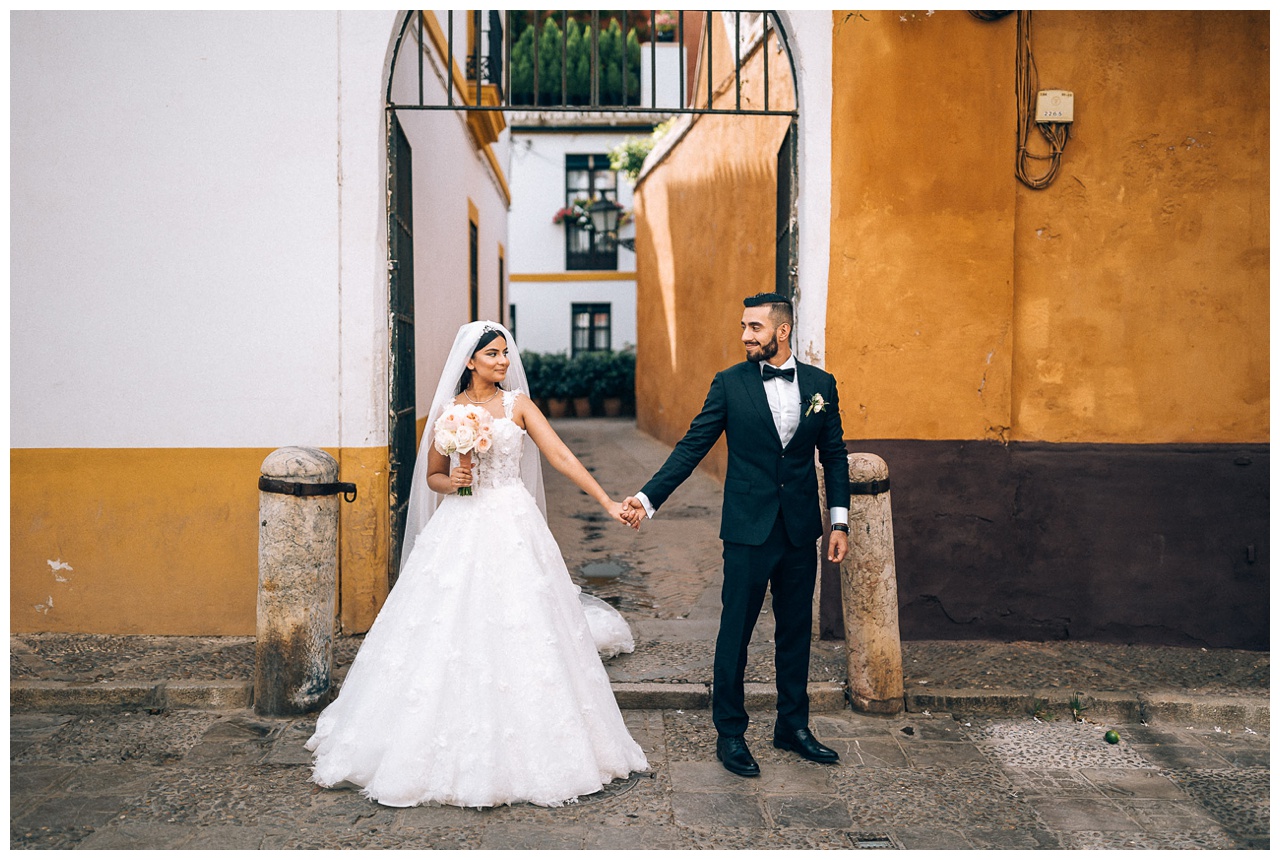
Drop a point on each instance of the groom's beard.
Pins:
(766, 351)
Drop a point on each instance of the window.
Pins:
(591, 328)
(588, 178)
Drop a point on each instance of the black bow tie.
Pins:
(769, 371)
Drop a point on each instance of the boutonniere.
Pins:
(816, 404)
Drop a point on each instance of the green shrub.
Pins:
(597, 375)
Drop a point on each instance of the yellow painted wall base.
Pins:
(164, 541)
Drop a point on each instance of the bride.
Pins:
(480, 682)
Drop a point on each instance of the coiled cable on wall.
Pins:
(1027, 89)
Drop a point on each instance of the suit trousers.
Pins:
(790, 572)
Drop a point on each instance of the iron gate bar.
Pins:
(475, 25)
(683, 95)
(764, 49)
(706, 32)
(737, 59)
(422, 98)
(564, 60)
(653, 58)
(624, 57)
(595, 57)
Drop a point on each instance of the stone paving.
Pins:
(1026, 776)
(193, 779)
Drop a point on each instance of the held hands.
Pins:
(629, 512)
(636, 511)
(623, 513)
(839, 547)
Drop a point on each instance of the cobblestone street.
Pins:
(120, 742)
(192, 779)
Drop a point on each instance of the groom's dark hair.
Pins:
(779, 307)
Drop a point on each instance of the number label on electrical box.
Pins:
(1055, 106)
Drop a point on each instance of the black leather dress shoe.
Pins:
(803, 742)
(735, 756)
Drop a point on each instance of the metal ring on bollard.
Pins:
(294, 488)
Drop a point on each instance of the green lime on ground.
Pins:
(1112, 737)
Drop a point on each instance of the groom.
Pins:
(775, 412)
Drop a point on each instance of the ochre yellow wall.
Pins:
(705, 240)
(165, 541)
(1128, 302)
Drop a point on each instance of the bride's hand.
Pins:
(460, 477)
(623, 514)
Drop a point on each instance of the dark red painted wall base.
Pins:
(1154, 544)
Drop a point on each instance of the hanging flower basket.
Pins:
(575, 214)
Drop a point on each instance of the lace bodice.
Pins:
(500, 467)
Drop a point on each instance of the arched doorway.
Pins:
(479, 64)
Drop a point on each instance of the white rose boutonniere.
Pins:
(816, 404)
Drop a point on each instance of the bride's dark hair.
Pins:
(488, 337)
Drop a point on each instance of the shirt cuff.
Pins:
(644, 500)
(839, 515)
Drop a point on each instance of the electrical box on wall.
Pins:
(1055, 106)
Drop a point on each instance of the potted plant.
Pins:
(535, 372)
(555, 369)
(580, 379)
(624, 364)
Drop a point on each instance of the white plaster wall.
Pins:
(537, 191)
(198, 206)
(175, 229)
(809, 37)
(543, 308)
(543, 317)
(364, 48)
(667, 55)
(448, 170)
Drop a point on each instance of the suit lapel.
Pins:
(754, 384)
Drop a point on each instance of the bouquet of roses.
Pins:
(462, 430)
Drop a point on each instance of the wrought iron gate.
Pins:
(493, 84)
(402, 432)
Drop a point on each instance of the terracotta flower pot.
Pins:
(612, 407)
(557, 407)
(582, 407)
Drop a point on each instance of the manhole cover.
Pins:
(871, 840)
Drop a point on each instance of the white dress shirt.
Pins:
(784, 402)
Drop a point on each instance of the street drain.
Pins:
(870, 840)
(613, 789)
(602, 570)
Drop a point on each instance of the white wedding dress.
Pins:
(480, 681)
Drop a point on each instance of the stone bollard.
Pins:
(297, 580)
(869, 588)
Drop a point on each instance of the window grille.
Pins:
(592, 328)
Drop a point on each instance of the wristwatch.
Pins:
(840, 527)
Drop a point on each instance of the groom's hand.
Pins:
(839, 547)
(637, 511)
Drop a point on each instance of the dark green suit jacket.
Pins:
(763, 477)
